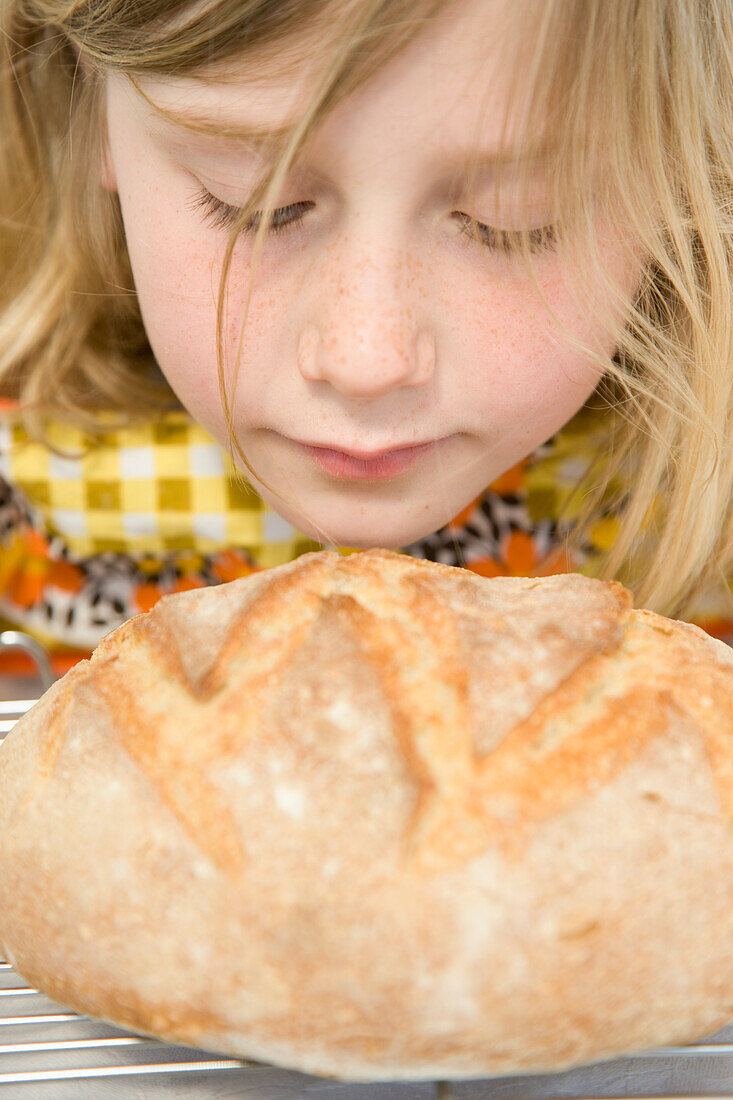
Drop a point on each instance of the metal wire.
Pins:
(17, 639)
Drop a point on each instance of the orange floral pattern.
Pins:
(68, 598)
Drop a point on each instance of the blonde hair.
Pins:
(636, 103)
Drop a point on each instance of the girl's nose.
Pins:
(364, 342)
(360, 368)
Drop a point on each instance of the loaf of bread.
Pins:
(374, 818)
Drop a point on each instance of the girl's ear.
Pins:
(107, 175)
(107, 169)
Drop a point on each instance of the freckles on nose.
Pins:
(369, 335)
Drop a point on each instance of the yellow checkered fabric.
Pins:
(161, 487)
(137, 513)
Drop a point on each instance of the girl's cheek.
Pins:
(506, 332)
(505, 338)
(176, 282)
(179, 305)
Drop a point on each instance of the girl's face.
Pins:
(376, 322)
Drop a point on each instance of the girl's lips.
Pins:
(339, 464)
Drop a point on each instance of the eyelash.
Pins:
(221, 214)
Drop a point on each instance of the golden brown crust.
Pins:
(378, 818)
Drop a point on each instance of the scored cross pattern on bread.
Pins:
(381, 818)
(474, 786)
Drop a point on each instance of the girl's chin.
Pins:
(359, 536)
(388, 523)
(356, 539)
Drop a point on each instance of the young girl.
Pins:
(446, 276)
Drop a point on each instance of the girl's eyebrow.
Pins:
(486, 163)
(207, 128)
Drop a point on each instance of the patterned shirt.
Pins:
(87, 542)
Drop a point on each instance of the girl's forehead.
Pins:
(447, 87)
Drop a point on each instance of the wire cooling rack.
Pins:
(48, 1052)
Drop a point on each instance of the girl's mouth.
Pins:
(387, 464)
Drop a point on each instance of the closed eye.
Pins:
(220, 213)
(508, 241)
